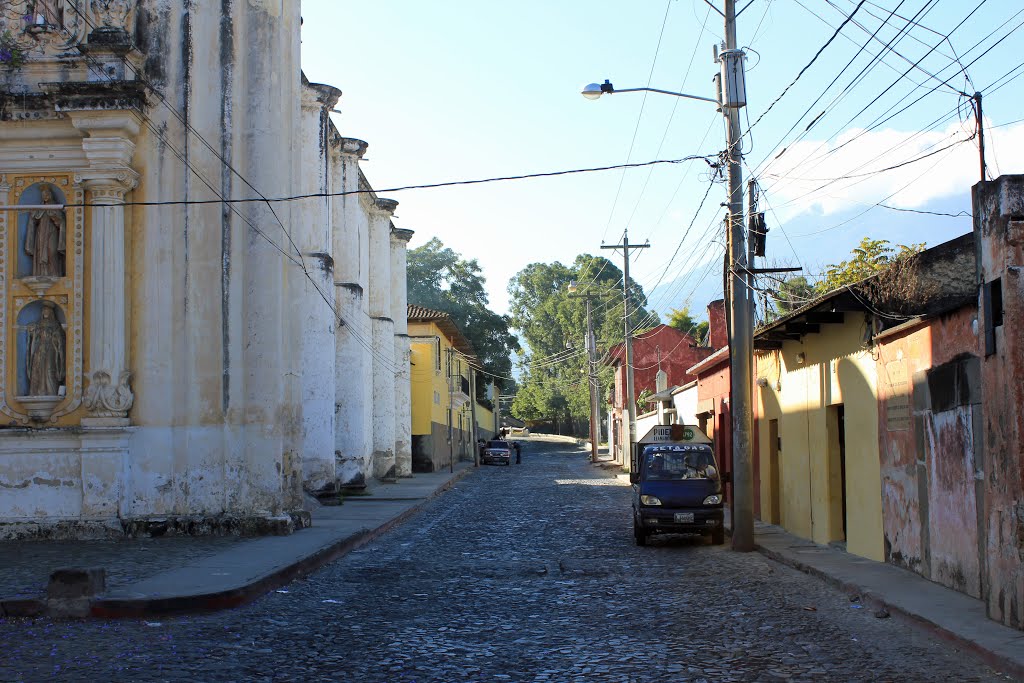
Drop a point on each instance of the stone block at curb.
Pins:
(75, 583)
(22, 607)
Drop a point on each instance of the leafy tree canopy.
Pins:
(867, 259)
(554, 324)
(440, 279)
(681, 319)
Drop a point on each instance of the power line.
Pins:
(403, 188)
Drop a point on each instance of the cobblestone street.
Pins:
(521, 573)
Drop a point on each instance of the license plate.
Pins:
(684, 518)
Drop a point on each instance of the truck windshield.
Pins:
(676, 465)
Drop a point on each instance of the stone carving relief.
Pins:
(50, 27)
(105, 399)
(113, 13)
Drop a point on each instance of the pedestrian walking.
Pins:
(519, 454)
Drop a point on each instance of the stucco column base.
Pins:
(403, 408)
(383, 399)
(353, 387)
(98, 422)
(104, 451)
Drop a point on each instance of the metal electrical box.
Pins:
(734, 86)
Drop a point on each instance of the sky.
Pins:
(455, 90)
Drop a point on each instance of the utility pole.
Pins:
(981, 134)
(741, 333)
(451, 411)
(595, 425)
(630, 399)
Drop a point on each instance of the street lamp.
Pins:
(593, 91)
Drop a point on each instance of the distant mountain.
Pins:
(814, 241)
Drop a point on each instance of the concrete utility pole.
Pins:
(630, 399)
(741, 333)
(595, 413)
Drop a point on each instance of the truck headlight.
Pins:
(713, 499)
(649, 500)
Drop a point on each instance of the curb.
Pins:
(875, 601)
(106, 608)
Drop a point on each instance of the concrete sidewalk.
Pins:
(245, 570)
(955, 617)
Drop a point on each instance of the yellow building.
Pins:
(446, 421)
(817, 430)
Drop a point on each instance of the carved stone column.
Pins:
(383, 340)
(403, 387)
(108, 396)
(109, 146)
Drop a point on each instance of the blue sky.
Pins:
(452, 90)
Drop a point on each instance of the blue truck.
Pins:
(677, 485)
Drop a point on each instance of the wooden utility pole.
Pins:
(630, 399)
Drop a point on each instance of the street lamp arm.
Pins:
(595, 90)
(668, 92)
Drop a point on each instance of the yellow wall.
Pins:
(485, 417)
(426, 379)
(835, 370)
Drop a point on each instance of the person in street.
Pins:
(519, 456)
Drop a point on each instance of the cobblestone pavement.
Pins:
(522, 573)
(25, 567)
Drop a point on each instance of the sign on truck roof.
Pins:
(673, 434)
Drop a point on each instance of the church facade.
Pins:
(183, 349)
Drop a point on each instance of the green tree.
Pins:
(793, 292)
(680, 319)
(554, 380)
(868, 258)
(440, 279)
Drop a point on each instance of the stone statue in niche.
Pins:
(52, 12)
(46, 238)
(45, 358)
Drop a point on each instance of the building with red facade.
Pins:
(661, 348)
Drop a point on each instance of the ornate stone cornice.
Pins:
(351, 147)
(401, 234)
(320, 95)
(386, 206)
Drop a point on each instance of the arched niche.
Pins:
(54, 352)
(42, 232)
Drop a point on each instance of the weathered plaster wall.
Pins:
(929, 412)
(245, 389)
(999, 227)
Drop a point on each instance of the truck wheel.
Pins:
(639, 534)
(718, 536)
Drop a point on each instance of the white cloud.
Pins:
(799, 181)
